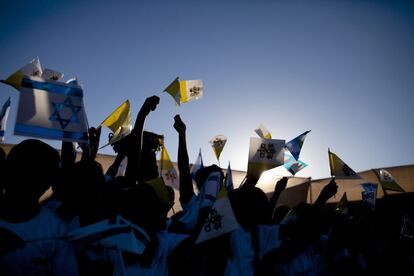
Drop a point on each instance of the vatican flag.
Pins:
(220, 220)
(265, 154)
(32, 69)
(120, 122)
(191, 90)
(388, 181)
(262, 131)
(339, 169)
(174, 90)
(217, 143)
(168, 172)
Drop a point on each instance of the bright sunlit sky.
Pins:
(343, 69)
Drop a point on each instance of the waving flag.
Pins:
(263, 133)
(48, 109)
(293, 165)
(220, 220)
(339, 169)
(265, 154)
(32, 69)
(229, 179)
(184, 91)
(218, 142)
(174, 90)
(168, 172)
(120, 122)
(198, 165)
(295, 145)
(388, 181)
(3, 118)
(369, 194)
(191, 90)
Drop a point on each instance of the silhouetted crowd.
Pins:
(271, 239)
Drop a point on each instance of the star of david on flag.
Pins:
(49, 108)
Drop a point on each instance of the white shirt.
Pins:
(243, 253)
(159, 266)
(47, 256)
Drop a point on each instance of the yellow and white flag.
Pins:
(168, 172)
(217, 143)
(184, 91)
(262, 131)
(220, 220)
(32, 69)
(48, 109)
(161, 190)
(191, 90)
(265, 154)
(49, 74)
(340, 169)
(174, 90)
(120, 122)
(388, 181)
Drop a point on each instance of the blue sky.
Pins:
(343, 69)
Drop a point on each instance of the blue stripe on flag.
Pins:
(53, 87)
(41, 132)
(1, 132)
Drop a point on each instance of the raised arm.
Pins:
(279, 187)
(135, 142)
(186, 184)
(327, 192)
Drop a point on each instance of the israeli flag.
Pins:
(52, 110)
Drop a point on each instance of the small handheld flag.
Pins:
(220, 220)
(218, 142)
(174, 90)
(369, 194)
(191, 90)
(263, 133)
(342, 206)
(120, 122)
(293, 165)
(168, 172)
(388, 181)
(197, 165)
(32, 69)
(3, 118)
(340, 169)
(295, 145)
(265, 154)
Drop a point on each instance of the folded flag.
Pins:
(4, 115)
(295, 145)
(220, 220)
(265, 154)
(197, 165)
(339, 169)
(168, 172)
(293, 165)
(388, 182)
(49, 109)
(121, 235)
(369, 194)
(120, 122)
(217, 143)
(262, 131)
